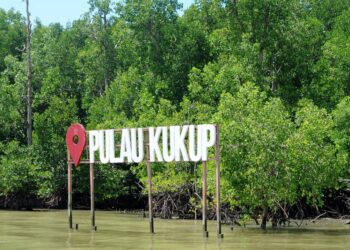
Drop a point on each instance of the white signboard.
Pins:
(166, 144)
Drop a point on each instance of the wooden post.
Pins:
(195, 190)
(204, 199)
(150, 210)
(217, 158)
(70, 216)
(92, 197)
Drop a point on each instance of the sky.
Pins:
(62, 11)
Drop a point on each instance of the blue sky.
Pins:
(61, 11)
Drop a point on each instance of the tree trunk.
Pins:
(105, 51)
(236, 13)
(274, 220)
(264, 218)
(265, 34)
(29, 75)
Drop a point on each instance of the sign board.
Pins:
(165, 144)
(188, 143)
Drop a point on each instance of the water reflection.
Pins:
(204, 244)
(150, 245)
(69, 239)
(92, 239)
(219, 240)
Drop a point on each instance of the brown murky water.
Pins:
(48, 230)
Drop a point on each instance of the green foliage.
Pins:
(12, 35)
(312, 155)
(331, 82)
(341, 135)
(12, 81)
(18, 174)
(341, 116)
(253, 137)
(111, 182)
(267, 159)
(49, 143)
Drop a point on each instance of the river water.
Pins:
(48, 230)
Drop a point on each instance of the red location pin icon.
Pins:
(75, 140)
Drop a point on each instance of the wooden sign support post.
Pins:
(150, 206)
(218, 201)
(70, 215)
(204, 199)
(92, 197)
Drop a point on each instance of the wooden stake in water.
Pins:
(195, 190)
(150, 210)
(218, 205)
(92, 196)
(204, 199)
(70, 216)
